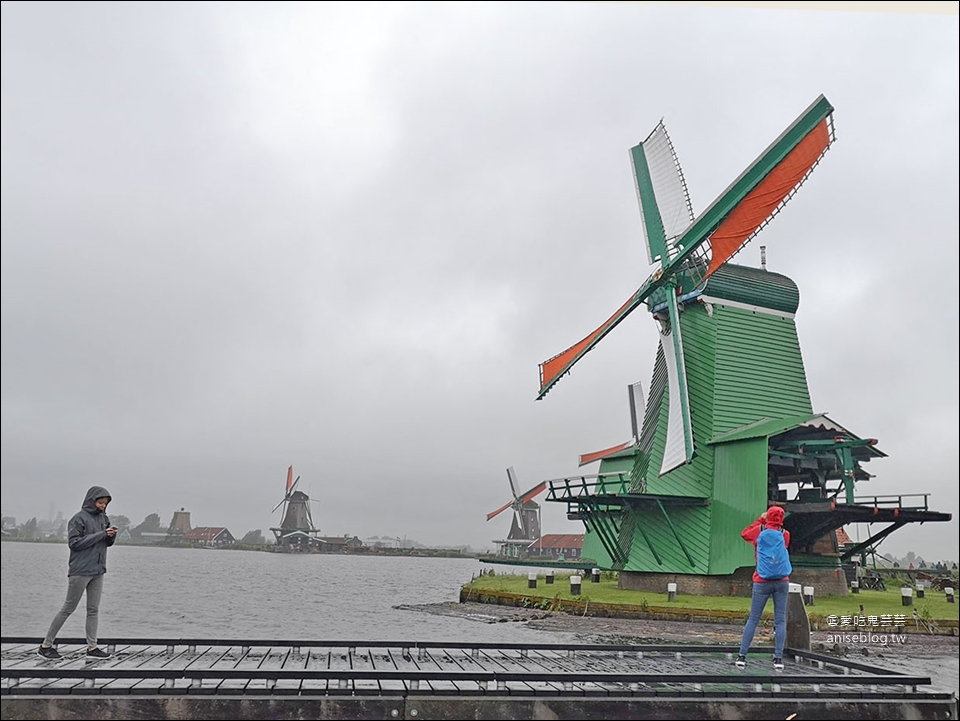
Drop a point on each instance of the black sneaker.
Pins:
(777, 663)
(49, 652)
(741, 661)
(97, 653)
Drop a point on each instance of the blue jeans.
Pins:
(76, 586)
(780, 591)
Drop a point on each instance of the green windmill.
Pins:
(728, 425)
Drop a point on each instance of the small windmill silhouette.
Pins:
(296, 530)
(525, 528)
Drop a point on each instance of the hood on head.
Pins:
(775, 516)
(93, 493)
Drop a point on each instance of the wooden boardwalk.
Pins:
(220, 678)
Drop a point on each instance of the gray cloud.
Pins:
(342, 237)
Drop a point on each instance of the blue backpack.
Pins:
(773, 561)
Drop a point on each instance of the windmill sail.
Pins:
(291, 487)
(635, 394)
(662, 194)
(586, 458)
(679, 448)
(494, 514)
(666, 212)
(512, 477)
(760, 204)
(519, 501)
(728, 224)
(635, 398)
(553, 369)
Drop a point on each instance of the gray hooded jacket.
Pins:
(87, 536)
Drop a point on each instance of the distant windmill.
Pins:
(296, 530)
(525, 528)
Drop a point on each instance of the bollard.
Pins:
(854, 586)
(671, 592)
(949, 591)
(921, 591)
(574, 585)
(531, 580)
(549, 578)
(906, 596)
(808, 595)
(798, 623)
(595, 575)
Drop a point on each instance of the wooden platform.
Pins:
(246, 679)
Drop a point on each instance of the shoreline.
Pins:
(936, 656)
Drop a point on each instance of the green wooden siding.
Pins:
(739, 496)
(593, 548)
(643, 530)
(622, 463)
(692, 525)
(648, 431)
(759, 369)
(742, 366)
(694, 478)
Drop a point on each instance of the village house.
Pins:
(559, 546)
(335, 544)
(212, 536)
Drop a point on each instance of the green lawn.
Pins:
(875, 603)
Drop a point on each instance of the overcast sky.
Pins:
(238, 237)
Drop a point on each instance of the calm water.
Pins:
(179, 592)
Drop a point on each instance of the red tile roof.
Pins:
(559, 540)
(203, 533)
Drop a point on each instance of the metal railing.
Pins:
(894, 500)
(601, 484)
(188, 663)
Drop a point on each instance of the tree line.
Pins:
(36, 530)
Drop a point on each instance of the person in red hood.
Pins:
(766, 588)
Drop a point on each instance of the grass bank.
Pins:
(606, 599)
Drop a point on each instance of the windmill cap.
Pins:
(775, 516)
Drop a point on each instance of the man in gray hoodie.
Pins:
(89, 535)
